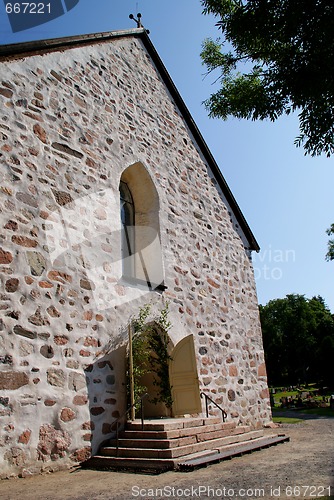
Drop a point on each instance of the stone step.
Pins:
(224, 427)
(148, 439)
(153, 443)
(190, 462)
(150, 465)
(179, 451)
(194, 461)
(167, 424)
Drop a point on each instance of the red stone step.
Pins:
(168, 443)
(225, 428)
(191, 461)
(150, 439)
(150, 465)
(153, 443)
(168, 424)
(227, 452)
(177, 451)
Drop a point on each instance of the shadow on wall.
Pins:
(106, 389)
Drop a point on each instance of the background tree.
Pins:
(281, 61)
(326, 354)
(330, 252)
(298, 338)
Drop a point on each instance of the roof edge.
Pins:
(28, 48)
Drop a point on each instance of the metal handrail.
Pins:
(224, 414)
(126, 412)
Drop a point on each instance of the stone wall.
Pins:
(71, 122)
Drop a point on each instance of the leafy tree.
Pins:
(294, 332)
(326, 354)
(272, 316)
(281, 60)
(330, 253)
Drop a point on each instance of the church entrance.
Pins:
(183, 379)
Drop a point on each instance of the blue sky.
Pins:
(287, 198)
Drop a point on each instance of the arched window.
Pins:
(141, 248)
(128, 226)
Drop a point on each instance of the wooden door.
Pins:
(184, 379)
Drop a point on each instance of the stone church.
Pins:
(111, 200)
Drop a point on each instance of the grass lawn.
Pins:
(285, 394)
(320, 412)
(286, 420)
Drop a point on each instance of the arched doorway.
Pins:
(150, 349)
(184, 379)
